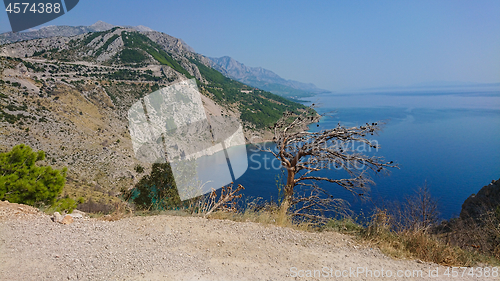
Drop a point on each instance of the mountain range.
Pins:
(254, 76)
(63, 30)
(264, 79)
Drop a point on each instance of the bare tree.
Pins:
(302, 153)
(418, 212)
(421, 210)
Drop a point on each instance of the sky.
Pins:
(337, 45)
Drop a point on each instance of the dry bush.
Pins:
(480, 235)
(120, 210)
(408, 230)
(381, 223)
(418, 212)
(95, 207)
(415, 243)
(207, 204)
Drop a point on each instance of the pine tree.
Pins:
(22, 181)
(157, 191)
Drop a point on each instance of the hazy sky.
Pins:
(336, 45)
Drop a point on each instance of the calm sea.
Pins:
(449, 141)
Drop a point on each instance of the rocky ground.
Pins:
(33, 247)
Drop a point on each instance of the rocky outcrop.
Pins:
(486, 200)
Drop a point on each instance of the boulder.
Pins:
(68, 219)
(56, 217)
(486, 200)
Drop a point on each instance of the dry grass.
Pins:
(269, 214)
(385, 231)
(226, 207)
(91, 193)
(418, 244)
(480, 235)
(120, 210)
(422, 246)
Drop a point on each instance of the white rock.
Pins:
(57, 217)
(76, 216)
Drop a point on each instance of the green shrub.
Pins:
(22, 181)
(132, 56)
(38, 53)
(139, 169)
(66, 204)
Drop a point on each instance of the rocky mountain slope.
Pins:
(264, 79)
(486, 200)
(69, 96)
(254, 76)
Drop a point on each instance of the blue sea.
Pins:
(446, 140)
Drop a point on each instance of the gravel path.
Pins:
(32, 247)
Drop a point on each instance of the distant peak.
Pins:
(101, 26)
(100, 23)
(263, 78)
(227, 60)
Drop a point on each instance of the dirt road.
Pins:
(33, 247)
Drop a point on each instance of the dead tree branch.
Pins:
(226, 200)
(302, 153)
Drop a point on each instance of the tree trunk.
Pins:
(290, 184)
